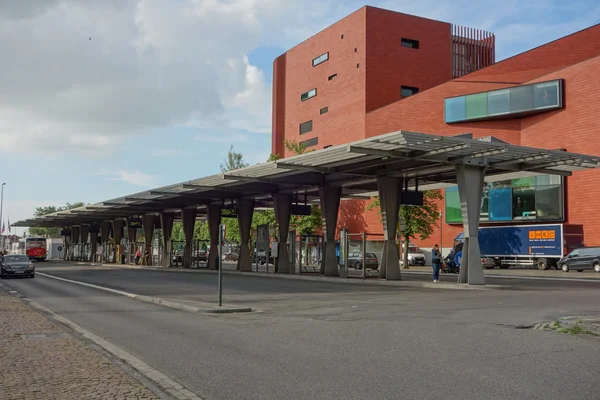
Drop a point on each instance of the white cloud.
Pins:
(133, 177)
(81, 75)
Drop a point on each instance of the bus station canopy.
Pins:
(425, 162)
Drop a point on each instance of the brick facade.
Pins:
(365, 101)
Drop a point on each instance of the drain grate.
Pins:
(45, 336)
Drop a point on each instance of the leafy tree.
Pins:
(41, 211)
(273, 157)
(418, 220)
(234, 161)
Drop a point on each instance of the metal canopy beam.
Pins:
(520, 160)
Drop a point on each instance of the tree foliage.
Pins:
(418, 220)
(41, 211)
(234, 160)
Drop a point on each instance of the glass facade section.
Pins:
(476, 105)
(453, 213)
(518, 100)
(455, 109)
(308, 95)
(538, 198)
(521, 98)
(546, 94)
(499, 102)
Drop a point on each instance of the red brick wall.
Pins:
(278, 120)
(576, 128)
(345, 95)
(389, 65)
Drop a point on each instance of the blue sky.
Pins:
(104, 98)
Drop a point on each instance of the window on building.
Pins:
(324, 110)
(521, 98)
(356, 49)
(310, 142)
(306, 127)
(498, 102)
(476, 105)
(410, 43)
(546, 94)
(342, 35)
(328, 146)
(308, 95)
(538, 198)
(407, 91)
(321, 59)
(455, 109)
(332, 77)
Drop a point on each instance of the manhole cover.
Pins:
(45, 336)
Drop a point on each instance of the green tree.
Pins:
(418, 220)
(41, 211)
(234, 161)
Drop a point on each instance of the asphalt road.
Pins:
(335, 341)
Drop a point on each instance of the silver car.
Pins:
(16, 265)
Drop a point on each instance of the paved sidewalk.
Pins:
(40, 360)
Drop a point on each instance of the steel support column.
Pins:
(245, 212)
(105, 227)
(283, 208)
(470, 180)
(188, 216)
(389, 199)
(214, 219)
(93, 244)
(166, 223)
(74, 240)
(148, 222)
(330, 206)
(119, 231)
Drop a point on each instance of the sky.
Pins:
(104, 98)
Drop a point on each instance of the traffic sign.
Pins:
(458, 258)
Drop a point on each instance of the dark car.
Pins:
(581, 259)
(355, 260)
(16, 265)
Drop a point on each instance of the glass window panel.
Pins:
(523, 203)
(546, 94)
(307, 95)
(500, 204)
(407, 91)
(476, 105)
(521, 98)
(453, 213)
(499, 102)
(306, 127)
(548, 202)
(524, 182)
(310, 142)
(321, 59)
(455, 109)
(545, 180)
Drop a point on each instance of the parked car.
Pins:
(581, 259)
(355, 260)
(415, 255)
(17, 265)
(488, 262)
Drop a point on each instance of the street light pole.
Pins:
(1, 205)
(441, 232)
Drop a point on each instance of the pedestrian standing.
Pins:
(436, 262)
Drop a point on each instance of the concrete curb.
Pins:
(210, 309)
(352, 280)
(168, 386)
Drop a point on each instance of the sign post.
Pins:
(220, 263)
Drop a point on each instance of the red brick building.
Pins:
(381, 71)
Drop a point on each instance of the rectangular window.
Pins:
(548, 202)
(332, 77)
(523, 203)
(321, 59)
(455, 109)
(328, 146)
(500, 204)
(410, 43)
(324, 110)
(521, 98)
(499, 102)
(453, 212)
(308, 95)
(306, 127)
(546, 94)
(476, 105)
(310, 142)
(407, 91)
